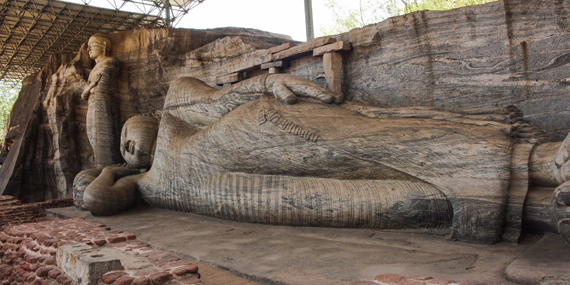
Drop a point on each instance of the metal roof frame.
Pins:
(173, 10)
(32, 30)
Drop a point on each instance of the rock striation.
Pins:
(510, 52)
(46, 142)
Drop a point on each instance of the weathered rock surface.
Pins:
(545, 263)
(501, 53)
(47, 132)
(510, 52)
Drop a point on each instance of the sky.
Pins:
(278, 16)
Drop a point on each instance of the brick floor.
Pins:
(29, 242)
(13, 212)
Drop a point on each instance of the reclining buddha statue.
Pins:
(280, 149)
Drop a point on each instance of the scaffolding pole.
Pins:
(309, 20)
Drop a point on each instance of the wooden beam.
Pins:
(338, 46)
(280, 48)
(229, 78)
(275, 64)
(332, 62)
(302, 48)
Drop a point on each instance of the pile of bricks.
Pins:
(397, 279)
(168, 269)
(6, 201)
(28, 254)
(13, 212)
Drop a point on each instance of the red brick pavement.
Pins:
(28, 253)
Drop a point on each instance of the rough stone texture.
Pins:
(47, 132)
(481, 56)
(235, 154)
(505, 52)
(101, 93)
(84, 264)
(536, 266)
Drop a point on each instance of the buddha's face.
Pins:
(95, 49)
(138, 141)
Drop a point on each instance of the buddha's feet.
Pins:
(562, 161)
(561, 196)
(561, 210)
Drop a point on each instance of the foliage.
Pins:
(8, 93)
(367, 12)
(373, 11)
(414, 5)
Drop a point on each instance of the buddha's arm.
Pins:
(198, 104)
(112, 191)
(285, 87)
(88, 88)
(101, 78)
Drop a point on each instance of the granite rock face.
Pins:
(510, 52)
(46, 139)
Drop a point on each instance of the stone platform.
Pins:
(303, 255)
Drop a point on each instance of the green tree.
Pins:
(367, 12)
(8, 94)
(415, 5)
(373, 11)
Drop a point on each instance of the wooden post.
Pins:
(332, 62)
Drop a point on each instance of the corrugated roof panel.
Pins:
(33, 30)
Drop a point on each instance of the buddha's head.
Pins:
(138, 141)
(98, 45)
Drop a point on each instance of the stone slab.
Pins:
(84, 264)
(129, 262)
(547, 262)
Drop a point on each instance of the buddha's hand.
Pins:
(86, 93)
(90, 85)
(287, 88)
(121, 170)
